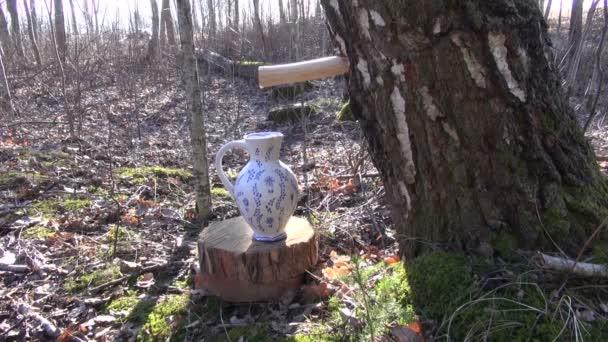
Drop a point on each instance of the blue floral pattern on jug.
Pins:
(265, 190)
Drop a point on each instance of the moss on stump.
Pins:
(345, 114)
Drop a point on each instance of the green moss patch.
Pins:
(15, 179)
(95, 278)
(220, 193)
(140, 174)
(345, 114)
(53, 206)
(37, 233)
(158, 327)
(250, 63)
(440, 282)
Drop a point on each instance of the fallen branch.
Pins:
(14, 268)
(365, 175)
(47, 326)
(137, 273)
(581, 269)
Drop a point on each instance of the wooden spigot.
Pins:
(302, 71)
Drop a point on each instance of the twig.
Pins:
(127, 277)
(49, 328)
(365, 175)
(14, 268)
(581, 269)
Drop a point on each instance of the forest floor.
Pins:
(97, 242)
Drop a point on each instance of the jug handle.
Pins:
(218, 162)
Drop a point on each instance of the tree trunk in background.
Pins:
(60, 30)
(575, 32)
(559, 17)
(236, 15)
(282, 16)
(5, 38)
(166, 25)
(153, 45)
(548, 9)
(11, 6)
(212, 22)
(465, 119)
(74, 22)
(293, 14)
(35, 23)
(197, 122)
(30, 31)
(88, 18)
(258, 24)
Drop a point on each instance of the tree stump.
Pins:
(239, 269)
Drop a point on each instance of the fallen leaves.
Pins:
(315, 292)
(338, 266)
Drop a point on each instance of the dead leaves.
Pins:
(313, 293)
(338, 266)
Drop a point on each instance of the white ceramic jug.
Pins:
(266, 190)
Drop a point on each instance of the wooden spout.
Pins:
(302, 71)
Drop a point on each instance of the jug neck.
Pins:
(265, 146)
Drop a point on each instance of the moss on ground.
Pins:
(53, 206)
(95, 278)
(140, 174)
(440, 281)
(119, 232)
(250, 63)
(291, 90)
(37, 233)
(15, 179)
(345, 114)
(158, 327)
(220, 193)
(504, 243)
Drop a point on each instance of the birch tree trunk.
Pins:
(30, 31)
(197, 124)
(60, 38)
(465, 119)
(153, 45)
(11, 6)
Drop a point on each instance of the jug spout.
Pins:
(264, 146)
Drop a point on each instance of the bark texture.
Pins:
(30, 30)
(5, 38)
(197, 122)
(464, 116)
(153, 45)
(167, 30)
(11, 6)
(60, 38)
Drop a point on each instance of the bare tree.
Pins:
(5, 90)
(167, 30)
(211, 14)
(575, 32)
(153, 45)
(30, 31)
(35, 22)
(5, 38)
(236, 15)
(11, 6)
(60, 38)
(258, 24)
(197, 123)
(293, 11)
(74, 22)
(548, 9)
(282, 17)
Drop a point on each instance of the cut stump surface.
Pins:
(239, 269)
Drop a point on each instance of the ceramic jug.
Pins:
(266, 190)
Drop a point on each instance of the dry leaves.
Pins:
(339, 265)
(313, 292)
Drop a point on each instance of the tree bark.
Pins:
(153, 45)
(282, 16)
(11, 6)
(5, 38)
(166, 24)
(60, 38)
(465, 119)
(293, 14)
(30, 31)
(35, 23)
(236, 15)
(258, 24)
(74, 22)
(212, 22)
(197, 124)
(575, 32)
